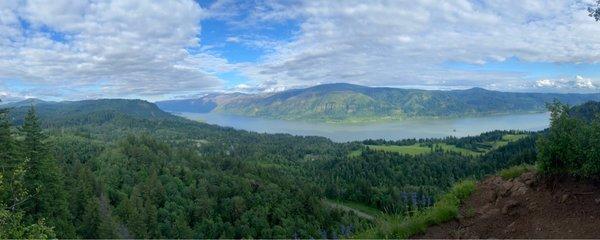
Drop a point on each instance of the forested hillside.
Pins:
(125, 169)
(555, 199)
(353, 103)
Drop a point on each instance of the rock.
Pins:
(510, 228)
(597, 200)
(564, 198)
(527, 176)
(518, 188)
(490, 213)
(484, 209)
(529, 183)
(491, 196)
(509, 206)
(505, 188)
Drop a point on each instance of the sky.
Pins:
(156, 50)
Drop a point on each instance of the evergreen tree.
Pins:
(7, 146)
(43, 180)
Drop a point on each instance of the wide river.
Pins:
(386, 130)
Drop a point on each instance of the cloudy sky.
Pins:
(66, 50)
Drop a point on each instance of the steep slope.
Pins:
(353, 103)
(203, 104)
(526, 207)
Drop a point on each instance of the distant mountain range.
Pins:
(343, 102)
(72, 112)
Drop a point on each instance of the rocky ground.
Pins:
(526, 207)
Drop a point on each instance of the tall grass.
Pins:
(445, 209)
(515, 171)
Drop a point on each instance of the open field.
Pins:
(421, 148)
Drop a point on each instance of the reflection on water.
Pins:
(388, 130)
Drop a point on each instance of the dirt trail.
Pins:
(527, 207)
(349, 209)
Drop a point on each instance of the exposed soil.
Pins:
(526, 207)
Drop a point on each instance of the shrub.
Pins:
(515, 171)
(571, 146)
(445, 209)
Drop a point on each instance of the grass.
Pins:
(445, 209)
(515, 171)
(419, 148)
(414, 149)
(358, 206)
(507, 138)
(452, 148)
(355, 153)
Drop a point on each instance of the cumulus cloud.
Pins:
(113, 48)
(384, 42)
(151, 49)
(576, 84)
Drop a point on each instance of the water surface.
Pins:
(388, 130)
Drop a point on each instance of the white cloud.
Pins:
(115, 48)
(576, 84)
(151, 49)
(404, 42)
(232, 39)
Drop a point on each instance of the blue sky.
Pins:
(63, 50)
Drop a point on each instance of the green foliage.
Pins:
(445, 209)
(352, 103)
(414, 149)
(13, 191)
(571, 144)
(43, 180)
(137, 172)
(515, 171)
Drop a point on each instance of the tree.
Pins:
(7, 146)
(43, 180)
(11, 218)
(595, 10)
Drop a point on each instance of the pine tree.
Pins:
(14, 193)
(7, 145)
(43, 180)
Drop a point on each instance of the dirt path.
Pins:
(348, 209)
(527, 207)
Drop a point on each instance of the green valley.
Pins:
(126, 169)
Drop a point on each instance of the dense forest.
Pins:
(126, 169)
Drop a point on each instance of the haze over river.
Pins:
(382, 130)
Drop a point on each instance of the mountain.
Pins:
(343, 102)
(70, 112)
(129, 170)
(24, 103)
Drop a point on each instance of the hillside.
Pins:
(353, 103)
(526, 207)
(126, 169)
(73, 112)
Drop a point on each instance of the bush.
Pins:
(515, 171)
(571, 146)
(445, 209)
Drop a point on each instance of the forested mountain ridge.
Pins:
(128, 170)
(354, 103)
(69, 112)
